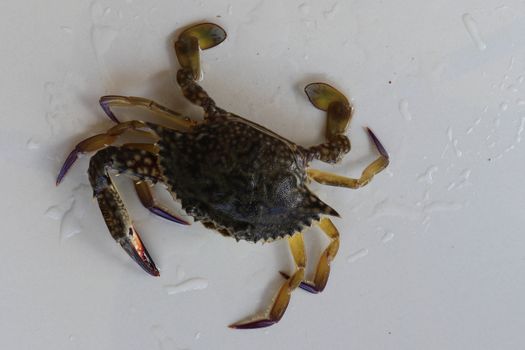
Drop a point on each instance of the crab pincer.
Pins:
(135, 248)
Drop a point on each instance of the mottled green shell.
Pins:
(239, 178)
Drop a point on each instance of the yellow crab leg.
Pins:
(143, 188)
(282, 299)
(98, 142)
(109, 101)
(323, 266)
(145, 195)
(370, 171)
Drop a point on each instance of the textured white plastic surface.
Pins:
(432, 252)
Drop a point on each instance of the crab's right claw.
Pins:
(133, 245)
(192, 40)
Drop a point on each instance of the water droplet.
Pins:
(503, 106)
(387, 237)
(437, 206)
(107, 11)
(520, 102)
(361, 253)
(187, 286)
(403, 109)
(102, 38)
(462, 182)
(197, 335)
(331, 12)
(476, 123)
(304, 8)
(66, 29)
(70, 225)
(180, 273)
(512, 88)
(472, 29)
(72, 337)
(230, 9)
(165, 342)
(454, 142)
(520, 129)
(427, 176)
(56, 212)
(520, 79)
(32, 144)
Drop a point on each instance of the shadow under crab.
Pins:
(233, 175)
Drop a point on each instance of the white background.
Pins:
(432, 252)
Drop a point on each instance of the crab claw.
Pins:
(133, 245)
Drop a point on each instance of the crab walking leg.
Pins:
(109, 101)
(131, 162)
(370, 171)
(282, 299)
(100, 141)
(323, 266)
(143, 190)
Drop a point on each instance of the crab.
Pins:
(233, 175)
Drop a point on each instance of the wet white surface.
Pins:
(432, 252)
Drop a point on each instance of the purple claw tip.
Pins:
(378, 143)
(164, 214)
(71, 158)
(253, 325)
(107, 110)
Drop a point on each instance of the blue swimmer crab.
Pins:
(233, 175)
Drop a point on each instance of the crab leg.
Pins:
(323, 266)
(97, 142)
(372, 169)
(109, 101)
(131, 162)
(282, 299)
(143, 188)
(187, 47)
(148, 201)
